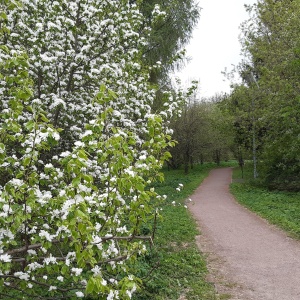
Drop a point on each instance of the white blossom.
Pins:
(90, 178)
(76, 271)
(22, 275)
(79, 294)
(5, 258)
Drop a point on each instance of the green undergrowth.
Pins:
(278, 207)
(178, 270)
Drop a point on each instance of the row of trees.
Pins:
(79, 144)
(203, 131)
(266, 105)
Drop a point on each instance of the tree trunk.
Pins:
(186, 161)
(192, 162)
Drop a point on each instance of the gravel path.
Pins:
(248, 258)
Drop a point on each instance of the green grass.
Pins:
(179, 268)
(279, 208)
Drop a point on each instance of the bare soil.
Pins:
(248, 259)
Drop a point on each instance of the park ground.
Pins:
(242, 256)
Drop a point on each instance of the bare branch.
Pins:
(24, 249)
(119, 258)
(129, 238)
(104, 239)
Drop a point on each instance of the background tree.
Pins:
(170, 33)
(186, 125)
(219, 132)
(271, 43)
(203, 132)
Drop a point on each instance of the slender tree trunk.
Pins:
(218, 156)
(254, 154)
(186, 161)
(192, 162)
(254, 132)
(201, 159)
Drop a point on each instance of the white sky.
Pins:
(215, 45)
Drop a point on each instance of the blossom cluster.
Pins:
(79, 146)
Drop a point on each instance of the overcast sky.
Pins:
(215, 45)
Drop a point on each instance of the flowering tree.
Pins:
(79, 149)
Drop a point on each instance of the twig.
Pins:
(104, 239)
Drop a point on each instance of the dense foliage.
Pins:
(266, 105)
(79, 147)
(170, 34)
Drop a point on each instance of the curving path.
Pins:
(248, 258)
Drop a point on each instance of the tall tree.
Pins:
(271, 44)
(171, 32)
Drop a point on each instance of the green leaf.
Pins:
(26, 161)
(43, 118)
(81, 214)
(90, 287)
(82, 228)
(30, 125)
(64, 270)
(3, 16)
(76, 181)
(112, 94)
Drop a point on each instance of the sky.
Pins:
(215, 45)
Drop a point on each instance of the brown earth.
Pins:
(248, 258)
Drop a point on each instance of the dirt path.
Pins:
(248, 258)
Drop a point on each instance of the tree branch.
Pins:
(104, 239)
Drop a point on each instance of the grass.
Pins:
(279, 208)
(179, 268)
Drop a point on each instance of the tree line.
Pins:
(259, 119)
(266, 104)
(202, 131)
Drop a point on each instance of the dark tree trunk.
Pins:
(192, 162)
(218, 157)
(201, 159)
(186, 161)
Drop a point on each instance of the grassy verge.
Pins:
(279, 208)
(179, 268)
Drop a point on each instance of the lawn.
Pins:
(279, 208)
